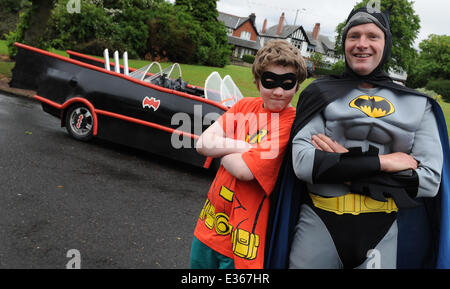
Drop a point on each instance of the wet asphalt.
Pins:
(116, 206)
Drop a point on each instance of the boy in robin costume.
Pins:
(250, 138)
(365, 182)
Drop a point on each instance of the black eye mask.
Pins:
(271, 80)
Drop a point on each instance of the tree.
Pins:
(405, 26)
(316, 58)
(32, 25)
(116, 25)
(432, 62)
(12, 5)
(40, 13)
(213, 48)
(173, 35)
(435, 56)
(202, 10)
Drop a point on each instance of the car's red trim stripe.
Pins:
(208, 162)
(95, 111)
(70, 52)
(112, 114)
(89, 66)
(146, 123)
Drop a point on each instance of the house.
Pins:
(245, 39)
(291, 33)
(306, 41)
(323, 45)
(242, 34)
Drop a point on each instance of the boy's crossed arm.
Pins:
(214, 143)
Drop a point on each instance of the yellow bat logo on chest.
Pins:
(373, 106)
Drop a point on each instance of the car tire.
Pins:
(80, 122)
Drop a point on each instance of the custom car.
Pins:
(153, 111)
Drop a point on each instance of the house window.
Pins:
(245, 35)
(310, 48)
(297, 43)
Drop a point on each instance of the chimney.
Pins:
(252, 18)
(264, 26)
(316, 31)
(280, 24)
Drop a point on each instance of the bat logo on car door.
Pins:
(152, 102)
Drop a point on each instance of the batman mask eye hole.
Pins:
(271, 80)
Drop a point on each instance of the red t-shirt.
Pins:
(233, 220)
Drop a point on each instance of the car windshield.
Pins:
(171, 72)
(223, 91)
(145, 71)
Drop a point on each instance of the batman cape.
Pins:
(423, 231)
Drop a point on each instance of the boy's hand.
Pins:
(324, 143)
(214, 143)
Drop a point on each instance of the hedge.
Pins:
(248, 58)
(441, 86)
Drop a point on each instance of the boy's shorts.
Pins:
(203, 257)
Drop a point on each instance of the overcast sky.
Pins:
(434, 14)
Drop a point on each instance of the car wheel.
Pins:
(80, 122)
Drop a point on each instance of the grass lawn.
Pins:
(196, 75)
(3, 47)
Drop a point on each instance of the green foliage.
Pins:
(145, 28)
(415, 78)
(435, 56)
(214, 45)
(172, 35)
(433, 61)
(316, 58)
(436, 96)
(212, 41)
(248, 58)
(121, 26)
(405, 26)
(202, 10)
(338, 67)
(441, 86)
(126, 4)
(13, 6)
(323, 71)
(18, 34)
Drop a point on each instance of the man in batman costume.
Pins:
(397, 218)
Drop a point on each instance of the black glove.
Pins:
(401, 186)
(332, 168)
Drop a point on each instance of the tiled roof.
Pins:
(231, 21)
(244, 43)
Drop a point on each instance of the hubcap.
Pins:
(81, 121)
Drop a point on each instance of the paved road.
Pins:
(120, 208)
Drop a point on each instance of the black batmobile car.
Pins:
(155, 112)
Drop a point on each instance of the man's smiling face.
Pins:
(364, 46)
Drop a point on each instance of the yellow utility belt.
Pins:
(353, 204)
